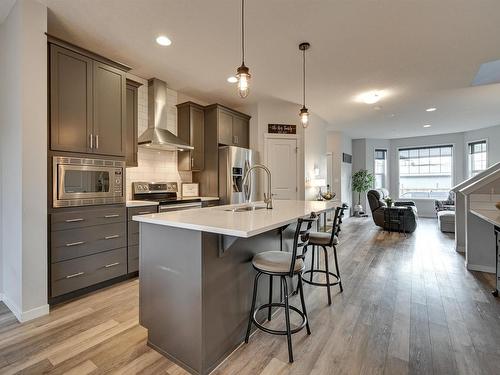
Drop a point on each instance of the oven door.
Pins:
(179, 206)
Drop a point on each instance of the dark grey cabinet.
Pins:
(87, 103)
(232, 126)
(132, 123)
(109, 110)
(70, 104)
(191, 128)
(87, 246)
(133, 236)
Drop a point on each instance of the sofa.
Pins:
(445, 211)
(379, 210)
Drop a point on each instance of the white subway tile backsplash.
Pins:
(155, 165)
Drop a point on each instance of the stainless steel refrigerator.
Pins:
(234, 162)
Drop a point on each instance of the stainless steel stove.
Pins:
(165, 193)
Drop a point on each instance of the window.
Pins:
(477, 156)
(380, 168)
(425, 172)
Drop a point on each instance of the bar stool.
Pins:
(282, 264)
(323, 240)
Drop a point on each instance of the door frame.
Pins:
(300, 158)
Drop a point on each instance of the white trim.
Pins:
(300, 193)
(24, 316)
(481, 268)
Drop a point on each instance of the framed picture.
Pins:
(190, 189)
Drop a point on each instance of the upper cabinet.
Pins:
(232, 126)
(70, 101)
(191, 129)
(87, 102)
(132, 123)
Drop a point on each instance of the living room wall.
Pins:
(363, 157)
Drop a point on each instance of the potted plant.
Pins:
(388, 201)
(362, 180)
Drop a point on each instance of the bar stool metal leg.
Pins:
(270, 297)
(337, 267)
(303, 303)
(287, 319)
(312, 264)
(255, 285)
(325, 252)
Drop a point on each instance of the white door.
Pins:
(282, 161)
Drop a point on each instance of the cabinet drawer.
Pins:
(82, 272)
(73, 243)
(133, 258)
(85, 218)
(133, 211)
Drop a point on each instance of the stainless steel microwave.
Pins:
(86, 182)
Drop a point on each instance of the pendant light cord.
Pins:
(304, 76)
(243, 31)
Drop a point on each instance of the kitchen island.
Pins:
(196, 275)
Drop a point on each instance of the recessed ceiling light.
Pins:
(427, 125)
(370, 97)
(162, 40)
(432, 109)
(232, 79)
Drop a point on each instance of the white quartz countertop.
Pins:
(239, 224)
(491, 216)
(131, 204)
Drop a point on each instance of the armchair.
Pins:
(379, 207)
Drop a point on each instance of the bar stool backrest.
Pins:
(301, 237)
(337, 220)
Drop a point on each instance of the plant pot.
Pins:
(357, 208)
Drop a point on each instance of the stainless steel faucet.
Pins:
(268, 198)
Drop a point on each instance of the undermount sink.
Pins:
(245, 208)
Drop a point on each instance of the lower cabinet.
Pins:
(133, 236)
(88, 246)
(78, 273)
(210, 203)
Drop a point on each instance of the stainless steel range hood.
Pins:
(156, 135)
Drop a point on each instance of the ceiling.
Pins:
(423, 53)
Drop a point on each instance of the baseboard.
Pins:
(24, 316)
(481, 268)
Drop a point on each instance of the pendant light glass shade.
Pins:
(304, 117)
(243, 73)
(243, 76)
(304, 114)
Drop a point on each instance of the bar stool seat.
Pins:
(322, 238)
(277, 262)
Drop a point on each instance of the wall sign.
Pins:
(281, 129)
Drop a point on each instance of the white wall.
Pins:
(340, 174)
(24, 157)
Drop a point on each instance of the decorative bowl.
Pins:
(328, 196)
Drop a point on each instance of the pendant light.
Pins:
(304, 114)
(243, 73)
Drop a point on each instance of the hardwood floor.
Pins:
(409, 306)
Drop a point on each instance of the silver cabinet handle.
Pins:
(74, 220)
(75, 243)
(145, 212)
(111, 216)
(97, 141)
(91, 140)
(192, 162)
(111, 237)
(75, 275)
(111, 265)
